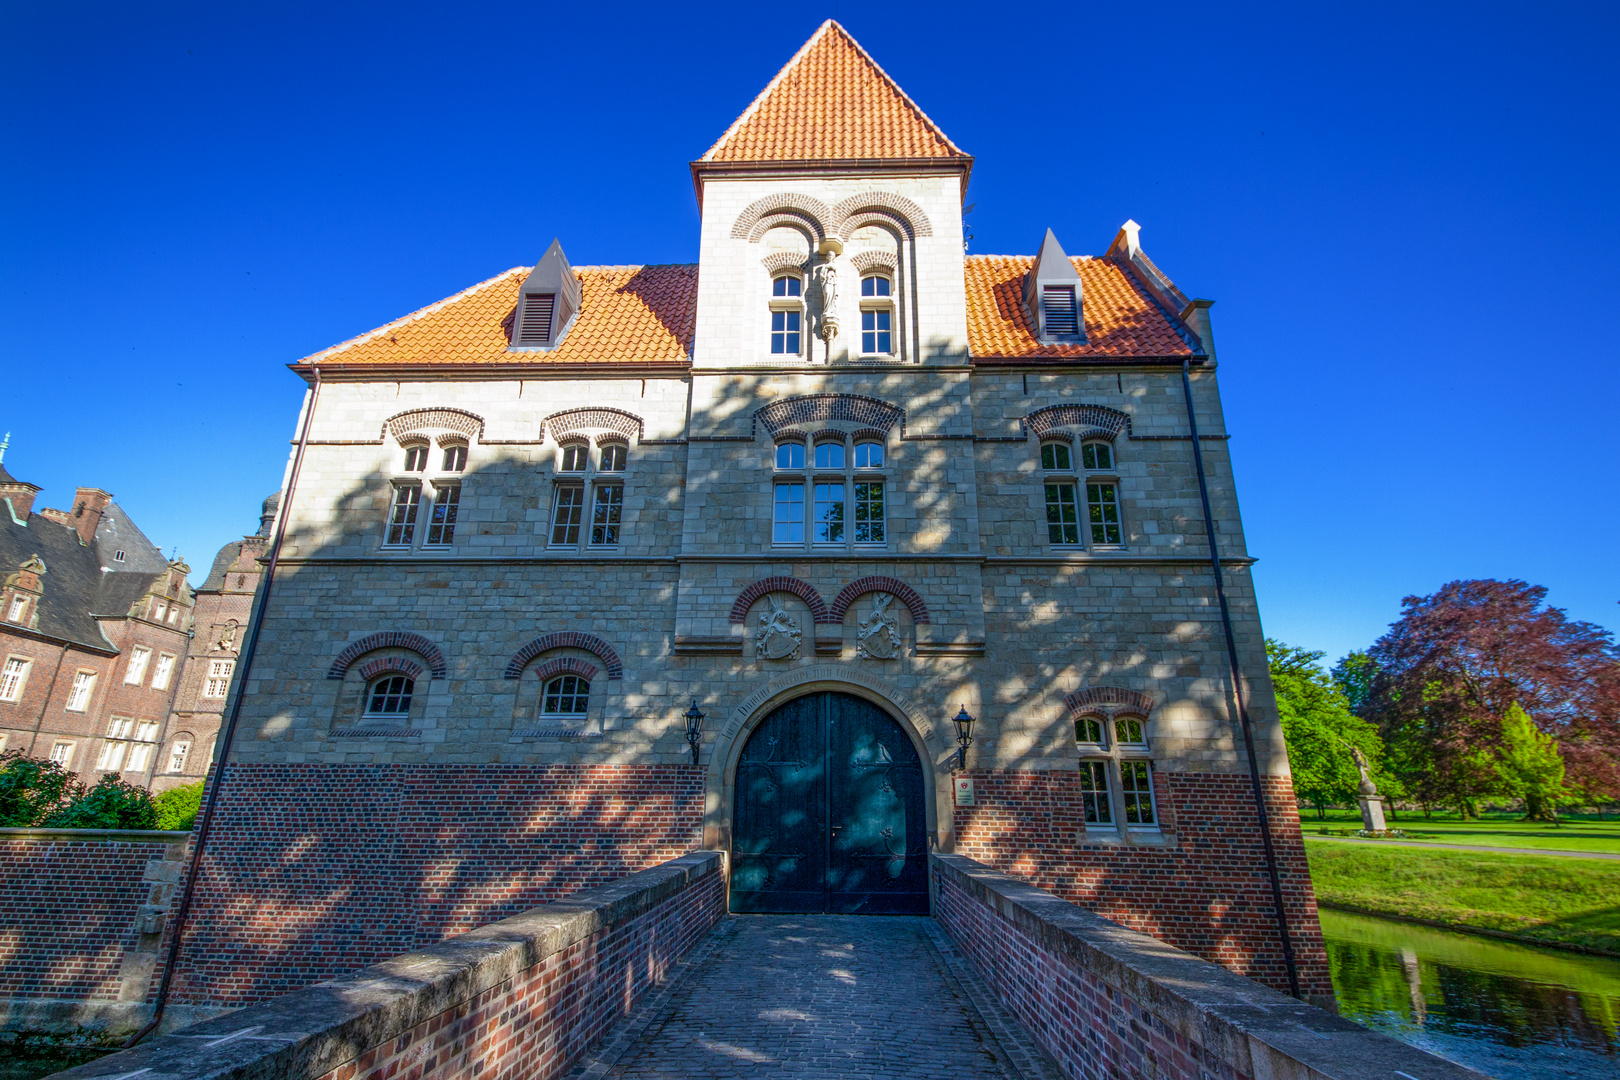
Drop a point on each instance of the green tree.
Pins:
(1354, 675)
(32, 788)
(1320, 729)
(111, 804)
(1530, 766)
(177, 808)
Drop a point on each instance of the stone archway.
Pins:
(829, 812)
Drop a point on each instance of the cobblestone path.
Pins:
(811, 996)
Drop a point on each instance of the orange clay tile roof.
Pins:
(832, 103)
(628, 314)
(1122, 320)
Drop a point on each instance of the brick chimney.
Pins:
(19, 494)
(88, 506)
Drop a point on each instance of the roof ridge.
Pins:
(413, 316)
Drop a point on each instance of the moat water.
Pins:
(1509, 1010)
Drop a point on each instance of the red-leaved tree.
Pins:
(1454, 663)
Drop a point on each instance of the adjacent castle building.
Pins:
(813, 496)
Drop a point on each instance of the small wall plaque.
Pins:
(964, 790)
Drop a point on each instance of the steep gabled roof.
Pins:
(832, 103)
(630, 314)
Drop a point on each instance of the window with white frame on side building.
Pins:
(163, 672)
(84, 685)
(62, 753)
(878, 316)
(787, 315)
(1116, 774)
(13, 677)
(19, 609)
(218, 680)
(177, 755)
(135, 673)
(1081, 495)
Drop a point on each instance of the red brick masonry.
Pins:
(314, 871)
(72, 909)
(1107, 1002)
(523, 997)
(1206, 890)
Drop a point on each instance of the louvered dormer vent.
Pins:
(534, 328)
(1057, 303)
(547, 303)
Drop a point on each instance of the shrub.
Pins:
(177, 808)
(111, 804)
(31, 789)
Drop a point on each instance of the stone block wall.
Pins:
(525, 996)
(1108, 1002)
(315, 870)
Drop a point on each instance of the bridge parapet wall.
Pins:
(521, 997)
(1108, 1002)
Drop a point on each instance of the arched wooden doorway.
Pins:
(829, 813)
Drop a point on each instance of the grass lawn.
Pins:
(1555, 901)
(1496, 830)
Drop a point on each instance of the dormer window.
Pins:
(119, 556)
(547, 302)
(416, 457)
(1053, 296)
(534, 328)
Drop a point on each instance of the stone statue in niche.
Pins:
(778, 635)
(879, 634)
(227, 637)
(827, 282)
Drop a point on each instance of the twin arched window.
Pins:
(1063, 484)
(443, 495)
(605, 492)
(1126, 770)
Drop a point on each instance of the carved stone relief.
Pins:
(778, 636)
(879, 635)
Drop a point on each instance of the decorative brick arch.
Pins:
(902, 592)
(874, 260)
(907, 212)
(1094, 419)
(415, 421)
(819, 408)
(867, 434)
(393, 639)
(1108, 701)
(761, 214)
(802, 589)
(561, 425)
(566, 639)
(390, 665)
(566, 665)
(784, 260)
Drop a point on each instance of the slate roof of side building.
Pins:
(73, 588)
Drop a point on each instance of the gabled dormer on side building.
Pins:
(1054, 297)
(547, 302)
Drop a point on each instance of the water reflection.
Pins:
(1505, 1009)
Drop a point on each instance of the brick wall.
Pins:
(76, 910)
(1205, 889)
(522, 997)
(313, 871)
(1109, 1002)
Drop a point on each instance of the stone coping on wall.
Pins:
(145, 836)
(1255, 1031)
(310, 1032)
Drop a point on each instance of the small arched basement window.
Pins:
(566, 695)
(389, 698)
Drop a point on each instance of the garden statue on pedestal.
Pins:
(1372, 803)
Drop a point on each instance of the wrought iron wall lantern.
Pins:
(964, 736)
(694, 729)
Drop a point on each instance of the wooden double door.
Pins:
(829, 813)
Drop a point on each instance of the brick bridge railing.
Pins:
(1108, 1002)
(523, 997)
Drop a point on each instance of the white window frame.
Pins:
(14, 678)
(62, 753)
(217, 683)
(409, 695)
(164, 671)
(1119, 757)
(401, 504)
(178, 752)
(84, 688)
(878, 304)
(602, 493)
(135, 671)
(787, 305)
(446, 497)
(846, 477)
(19, 608)
(580, 714)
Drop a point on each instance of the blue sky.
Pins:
(1406, 215)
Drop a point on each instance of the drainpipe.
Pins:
(1236, 674)
(205, 825)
